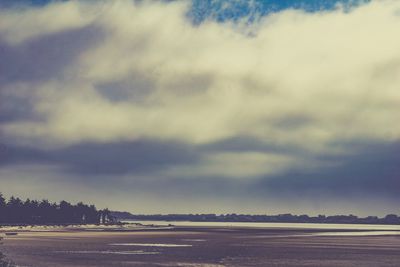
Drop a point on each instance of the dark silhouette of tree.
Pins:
(2, 208)
(107, 217)
(66, 212)
(16, 211)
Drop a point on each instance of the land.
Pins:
(200, 247)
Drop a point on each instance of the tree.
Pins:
(2, 208)
(106, 216)
(33, 212)
(15, 210)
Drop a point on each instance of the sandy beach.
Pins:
(201, 246)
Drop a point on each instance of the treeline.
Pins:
(281, 218)
(17, 211)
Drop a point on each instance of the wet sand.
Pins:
(201, 246)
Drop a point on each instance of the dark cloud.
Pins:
(13, 108)
(104, 159)
(373, 170)
(188, 187)
(34, 61)
(44, 58)
(251, 144)
(134, 89)
(293, 122)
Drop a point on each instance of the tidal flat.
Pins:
(203, 247)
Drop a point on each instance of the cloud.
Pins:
(371, 170)
(103, 159)
(328, 75)
(261, 98)
(234, 165)
(21, 24)
(44, 58)
(363, 183)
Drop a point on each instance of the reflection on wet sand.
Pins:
(205, 246)
(151, 245)
(135, 252)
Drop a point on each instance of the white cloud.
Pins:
(304, 79)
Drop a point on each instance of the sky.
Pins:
(258, 107)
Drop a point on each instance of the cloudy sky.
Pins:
(203, 106)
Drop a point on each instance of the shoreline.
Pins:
(142, 225)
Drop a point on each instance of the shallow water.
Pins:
(135, 252)
(364, 233)
(272, 225)
(151, 245)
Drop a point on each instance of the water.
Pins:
(151, 245)
(367, 227)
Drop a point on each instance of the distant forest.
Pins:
(17, 211)
(281, 218)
